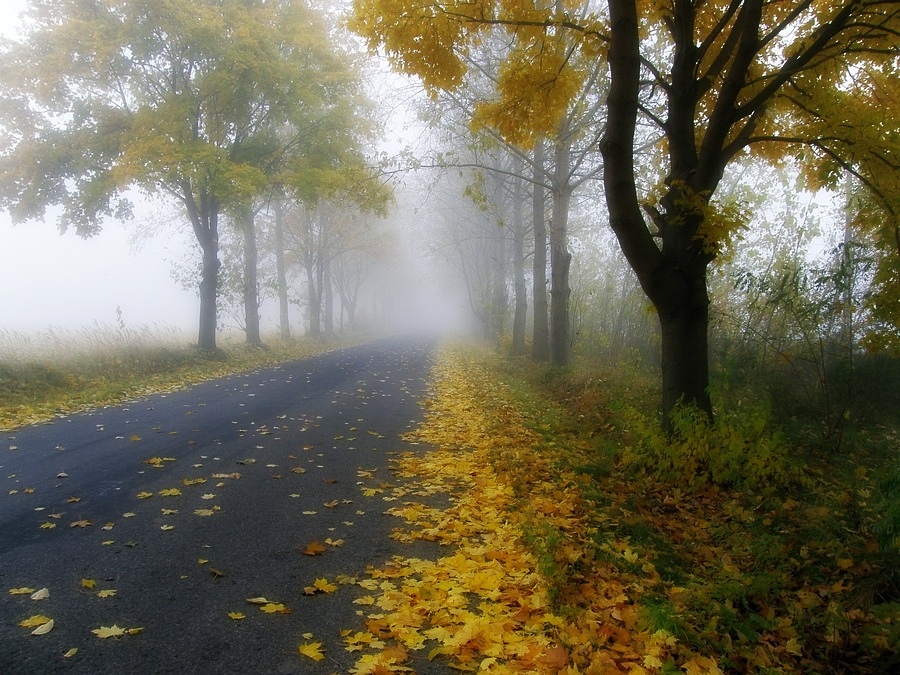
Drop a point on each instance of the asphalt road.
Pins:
(181, 544)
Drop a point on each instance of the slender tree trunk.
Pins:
(205, 221)
(251, 289)
(328, 293)
(518, 229)
(541, 339)
(281, 271)
(560, 259)
(499, 300)
(315, 301)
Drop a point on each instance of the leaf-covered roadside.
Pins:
(559, 563)
(36, 390)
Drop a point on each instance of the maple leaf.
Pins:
(312, 650)
(169, 492)
(33, 621)
(313, 548)
(81, 523)
(109, 631)
(48, 525)
(144, 495)
(107, 593)
(193, 481)
(236, 616)
(203, 512)
(274, 607)
(88, 583)
(324, 585)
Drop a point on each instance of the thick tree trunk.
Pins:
(209, 290)
(518, 228)
(684, 322)
(540, 348)
(251, 290)
(281, 271)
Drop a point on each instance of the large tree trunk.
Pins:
(540, 348)
(281, 271)
(674, 279)
(251, 290)
(560, 258)
(518, 228)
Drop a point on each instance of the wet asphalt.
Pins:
(250, 470)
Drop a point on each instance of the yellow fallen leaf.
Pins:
(203, 512)
(202, 561)
(236, 616)
(135, 437)
(312, 650)
(21, 591)
(273, 607)
(135, 631)
(48, 525)
(208, 496)
(43, 629)
(166, 528)
(33, 621)
(106, 593)
(169, 512)
(170, 492)
(193, 481)
(72, 652)
(88, 583)
(108, 542)
(325, 586)
(109, 631)
(144, 495)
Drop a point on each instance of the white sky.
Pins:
(48, 279)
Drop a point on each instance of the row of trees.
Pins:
(230, 108)
(678, 94)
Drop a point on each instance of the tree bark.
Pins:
(560, 258)
(204, 219)
(281, 271)
(328, 293)
(251, 289)
(540, 348)
(521, 293)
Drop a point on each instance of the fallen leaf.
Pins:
(43, 629)
(106, 593)
(274, 608)
(48, 525)
(193, 481)
(109, 631)
(144, 495)
(129, 515)
(258, 601)
(236, 616)
(72, 652)
(33, 621)
(73, 500)
(170, 492)
(166, 528)
(331, 504)
(42, 594)
(169, 512)
(216, 573)
(135, 631)
(314, 548)
(21, 591)
(135, 437)
(81, 523)
(325, 586)
(203, 512)
(208, 496)
(88, 583)
(312, 650)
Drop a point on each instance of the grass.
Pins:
(61, 371)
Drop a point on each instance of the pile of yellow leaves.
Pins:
(488, 605)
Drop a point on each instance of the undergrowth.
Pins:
(736, 540)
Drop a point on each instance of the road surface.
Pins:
(187, 504)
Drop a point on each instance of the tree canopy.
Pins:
(190, 100)
(695, 84)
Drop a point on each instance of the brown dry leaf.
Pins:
(313, 548)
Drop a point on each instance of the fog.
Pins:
(126, 274)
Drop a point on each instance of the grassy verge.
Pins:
(740, 545)
(37, 384)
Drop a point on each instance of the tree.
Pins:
(699, 83)
(171, 97)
